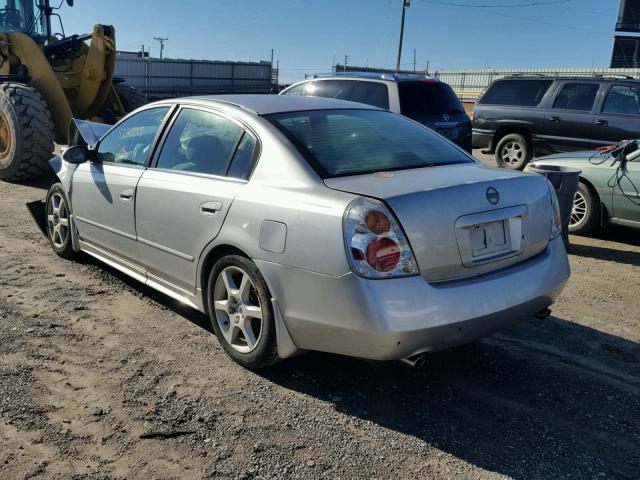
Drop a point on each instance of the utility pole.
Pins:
(333, 65)
(405, 5)
(344, 68)
(414, 60)
(161, 40)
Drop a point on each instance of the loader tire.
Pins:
(26, 133)
(130, 97)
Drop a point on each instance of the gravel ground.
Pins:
(102, 378)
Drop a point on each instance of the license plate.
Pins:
(488, 239)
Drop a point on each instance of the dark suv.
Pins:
(521, 117)
(424, 99)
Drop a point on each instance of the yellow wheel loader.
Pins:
(46, 79)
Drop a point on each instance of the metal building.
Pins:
(176, 77)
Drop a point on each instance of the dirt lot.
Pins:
(90, 362)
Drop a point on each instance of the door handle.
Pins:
(555, 119)
(126, 195)
(602, 123)
(210, 208)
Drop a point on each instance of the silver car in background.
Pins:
(306, 223)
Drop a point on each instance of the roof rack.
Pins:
(374, 75)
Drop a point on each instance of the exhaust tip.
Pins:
(543, 314)
(417, 361)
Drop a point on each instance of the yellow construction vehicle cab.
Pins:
(48, 78)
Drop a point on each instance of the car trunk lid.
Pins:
(462, 220)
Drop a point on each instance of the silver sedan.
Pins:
(305, 223)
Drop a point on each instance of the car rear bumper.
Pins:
(482, 139)
(397, 318)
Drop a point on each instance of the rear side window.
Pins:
(577, 96)
(520, 93)
(370, 93)
(200, 142)
(427, 97)
(243, 158)
(624, 99)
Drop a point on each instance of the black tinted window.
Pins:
(371, 93)
(623, 99)
(428, 97)
(242, 159)
(351, 142)
(521, 93)
(130, 142)
(199, 142)
(577, 96)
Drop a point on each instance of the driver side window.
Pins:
(130, 142)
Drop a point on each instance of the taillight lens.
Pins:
(376, 245)
(556, 218)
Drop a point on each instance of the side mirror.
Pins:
(77, 154)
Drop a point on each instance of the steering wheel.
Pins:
(12, 18)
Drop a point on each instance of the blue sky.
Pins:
(307, 34)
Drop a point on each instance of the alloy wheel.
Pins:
(512, 153)
(237, 309)
(578, 210)
(58, 220)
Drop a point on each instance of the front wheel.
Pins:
(513, 151)
(241, 313)
(58, 221)
(585, 212)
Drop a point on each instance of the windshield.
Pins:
(19, 16)
(351, 142)
(427, 97)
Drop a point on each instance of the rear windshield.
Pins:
(520, 93)
(428, 97)
(350, 142)
(371, 93)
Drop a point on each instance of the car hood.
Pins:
(442, 209)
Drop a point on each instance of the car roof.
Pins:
(389, 76)
(268, 104)
(596, 78)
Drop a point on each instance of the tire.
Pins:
(58, 222)
(585, 214)
(130, 97)
(513, 151)
(232, 312)
(26, 133)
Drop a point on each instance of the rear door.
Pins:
(569, 122)
(183, 199)
(103, 191)
(619, 117)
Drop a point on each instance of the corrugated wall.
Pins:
(170, 78)
(469, 84)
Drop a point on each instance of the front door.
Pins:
(183, 199)
(626, 195)
(103, 191)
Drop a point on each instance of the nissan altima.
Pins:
(307, 223)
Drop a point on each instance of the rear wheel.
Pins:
(585, 212)
(26, 133)
(513, 152)
(241, 313)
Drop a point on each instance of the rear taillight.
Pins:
(556, 218)
(471, 117)
(376, 245)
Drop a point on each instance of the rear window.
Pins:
(520, 93)
(370, 93)
(428, 97)
(350, 142)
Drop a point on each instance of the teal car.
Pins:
(608, 192)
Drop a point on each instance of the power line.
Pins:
(503, 5)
